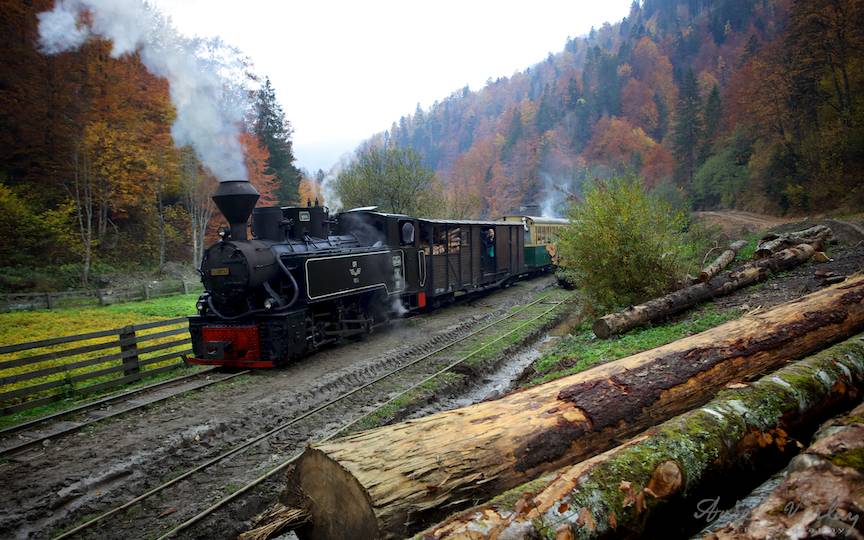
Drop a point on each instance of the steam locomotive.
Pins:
(307, 279)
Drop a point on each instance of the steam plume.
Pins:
(328, 185)
(209, 106)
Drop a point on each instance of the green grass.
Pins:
(21, 326)
(582, 349)
(25, 326)
(746, 253)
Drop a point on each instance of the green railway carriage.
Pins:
(541, 237)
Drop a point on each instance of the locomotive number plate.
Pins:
(219, 271)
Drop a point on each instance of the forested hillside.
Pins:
(752, 104)
(734, 103)
(90, 173)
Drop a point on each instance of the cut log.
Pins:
(278, 518)
(625, 491)
(823, 491)
(721, 262)
(674, 302)
(816, 236)
(392, 480)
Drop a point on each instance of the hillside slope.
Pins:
(731, 103)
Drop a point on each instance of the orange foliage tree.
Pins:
(638, 105)
(468, 178)
(256, 156)
(310, 191)
(618, 145)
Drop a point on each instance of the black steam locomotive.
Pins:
(307, 279)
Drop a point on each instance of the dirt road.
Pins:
(734, 223)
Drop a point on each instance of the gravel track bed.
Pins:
(89, 472)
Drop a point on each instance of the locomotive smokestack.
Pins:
(236, 199)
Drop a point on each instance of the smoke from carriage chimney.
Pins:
(209, 107)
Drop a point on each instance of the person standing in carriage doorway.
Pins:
(489, 250)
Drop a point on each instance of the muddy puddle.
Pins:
(506, 375)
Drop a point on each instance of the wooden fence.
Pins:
(102, 297)
(40, 372)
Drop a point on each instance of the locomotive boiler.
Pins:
(306, 279)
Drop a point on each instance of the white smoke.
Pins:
(554, 201)
(397, 308)
(209, 106)
(328, 185)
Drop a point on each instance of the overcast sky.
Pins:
(344, 70)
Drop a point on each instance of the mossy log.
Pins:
(393, 480)
(816, 236)
(721, 262)
(822, 494)
(622, 492)
(674, 302)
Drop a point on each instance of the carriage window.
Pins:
(454, 240)
(543, 234)
(407, 238)
(440, 244)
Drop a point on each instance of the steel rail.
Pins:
(72, 429)
(285, 425)
(97, 403)
(222, 502)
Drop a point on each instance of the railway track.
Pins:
(236, 472)
(35, 433)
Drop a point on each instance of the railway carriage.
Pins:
(540, 239)
(461, 256)
(307, 279)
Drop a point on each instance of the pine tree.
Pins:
(514, 133)
(274, 132)
(687, 129)
(712, 123)
(546, 114)
(662, 118)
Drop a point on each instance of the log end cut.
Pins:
(601, 329)
(341, 507)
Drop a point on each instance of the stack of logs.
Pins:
(774, 253)
(555, 450)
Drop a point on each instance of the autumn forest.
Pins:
(752, 104)
(749, 104)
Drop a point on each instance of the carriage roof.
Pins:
(538, 220)
(371, 210)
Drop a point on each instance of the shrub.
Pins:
(623, 244)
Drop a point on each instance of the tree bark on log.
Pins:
(721, 262)
(677, 301)
(822, 494)
(392, 480)
(623, 492)
(772, 243)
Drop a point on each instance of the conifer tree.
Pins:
(712, 123)
(687, 129)
(274, 132)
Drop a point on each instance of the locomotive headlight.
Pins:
(270, 303)
(201, 305)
